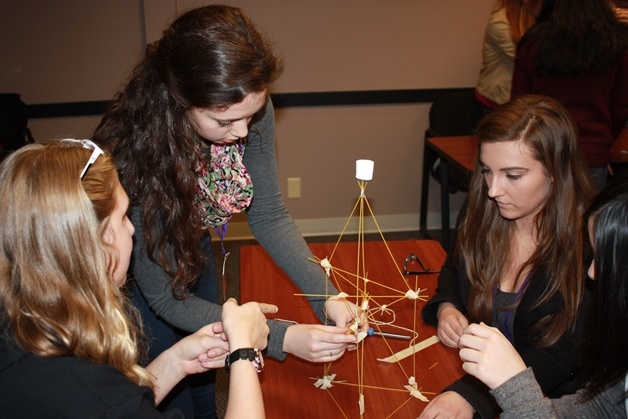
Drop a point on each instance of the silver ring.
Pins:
(331, 355)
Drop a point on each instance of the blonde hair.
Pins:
(56, 292)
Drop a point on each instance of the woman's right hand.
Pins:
(318, 343)
(451, 324)
(244, 326)
(488, 355)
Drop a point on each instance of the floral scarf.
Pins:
(224, 185)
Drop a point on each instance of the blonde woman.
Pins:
(67, 345)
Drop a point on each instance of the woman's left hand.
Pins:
(193, 354)
(202, 350)
(344, 313)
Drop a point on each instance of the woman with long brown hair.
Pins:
(193, 136)
(519, 258)
(491, 358)
(577, 53)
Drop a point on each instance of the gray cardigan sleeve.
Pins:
(521, 398)
(189, 314)
(273, 226)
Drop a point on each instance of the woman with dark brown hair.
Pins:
(577, 53)
(193, 137)
(519, 258)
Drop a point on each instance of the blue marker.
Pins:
(388, 335)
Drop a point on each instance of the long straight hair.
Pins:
(56, 294)
(485, 239)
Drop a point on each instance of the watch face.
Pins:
(258, 361)
(248, 354)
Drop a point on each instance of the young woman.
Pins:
(491, 358)
(67, 345)
(577, 53)
(193, 136)
(508, 22)
(518, 261)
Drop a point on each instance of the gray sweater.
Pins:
(522, 398)
(273, 228)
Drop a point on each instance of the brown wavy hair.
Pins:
(578, 37)
(210, 57)
(56, 293)
(484, 239)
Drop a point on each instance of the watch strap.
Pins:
(253, 355)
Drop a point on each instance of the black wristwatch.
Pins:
(249, 354)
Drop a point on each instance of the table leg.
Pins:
(425, 184)
(444, 203)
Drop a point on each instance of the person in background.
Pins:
(192, 133)
(68, 336)
(509, 20)
(490, 357)
(577, 53)
(519, 257)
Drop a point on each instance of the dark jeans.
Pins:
(194, 395)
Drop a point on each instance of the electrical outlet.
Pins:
(294, 187)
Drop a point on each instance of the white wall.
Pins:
(67, 51)
(77, 50)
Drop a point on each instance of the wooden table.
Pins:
(457, 151)
(288, 386)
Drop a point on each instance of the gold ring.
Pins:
(331, 355)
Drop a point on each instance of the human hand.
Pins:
(200, 351)
(450, 405)
(343, 313)
(244, 326)
(317, 343)
(622, 14)
(451, 323)
(488, 355)
(215, 356)
(193, 354)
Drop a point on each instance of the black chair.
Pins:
(14, 132)
(450, 115)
